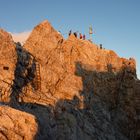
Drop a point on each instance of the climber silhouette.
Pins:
(75, 34)
(70, 32)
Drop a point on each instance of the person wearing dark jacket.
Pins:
(70, 32)
(84, 37)
(75, 34)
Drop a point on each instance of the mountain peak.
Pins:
(45, 25)
(5, 35)
(73, 87)
(42, 39)
(45, 22)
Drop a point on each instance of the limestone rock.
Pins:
(7, 56)
(43, 39)
(8, 59)
(58, 60)
(75, 89)
(81, 75)
(16, 125)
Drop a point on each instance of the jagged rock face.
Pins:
(7, 56)
(42, 40)
(137, 108)
(8, 59)
(86, 92)
(97, 82)
(16, 125)
(58, 60)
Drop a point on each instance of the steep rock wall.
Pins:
(86, 92)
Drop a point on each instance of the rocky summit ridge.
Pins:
(67, 89)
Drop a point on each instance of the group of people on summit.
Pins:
(83, 37)
(80, 35)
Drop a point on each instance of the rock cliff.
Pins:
(8, 60)
(74, 88)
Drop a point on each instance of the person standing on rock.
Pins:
(75, 34)
(70, 32)
(84, 37)
(81, 36)
(101, 46)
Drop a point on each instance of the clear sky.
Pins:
(116, 23)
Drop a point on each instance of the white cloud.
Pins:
(21, 37)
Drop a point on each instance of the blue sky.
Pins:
(116, 23)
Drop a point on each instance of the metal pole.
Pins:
(90, 33)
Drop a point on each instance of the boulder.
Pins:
(16, 125)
